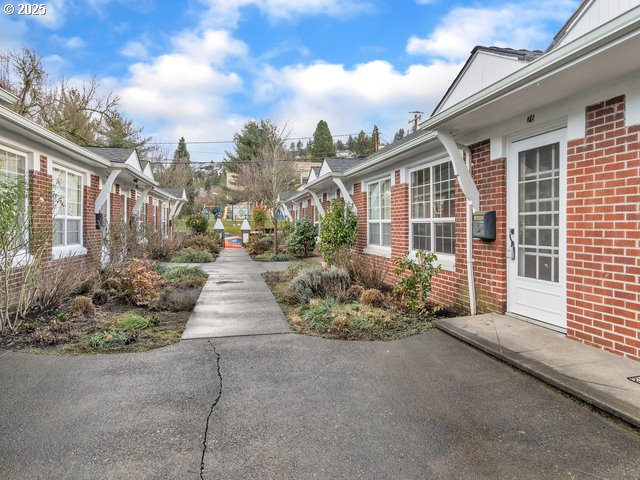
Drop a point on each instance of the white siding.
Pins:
(596, 14)
(484, 70)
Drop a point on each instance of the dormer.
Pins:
(485, 66)
(590, 15)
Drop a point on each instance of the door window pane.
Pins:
(539, 191)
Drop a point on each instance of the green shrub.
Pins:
(136, 322)
(274, 257)
(191, 255)
(260, 216)
(414, 285)
(302, 239)
(197, 224)
(318, 317)
(338, 228)
(186, 276)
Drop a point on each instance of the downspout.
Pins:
(472, 195)
(470, 266)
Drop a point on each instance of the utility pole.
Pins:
(415, 120)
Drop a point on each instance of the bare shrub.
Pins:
(372, 297)
(100, 297)
(63, 277)
(121, 243)
(355, 292)
(206, 242)
(83, 306)
(159, 247)
(369, 272)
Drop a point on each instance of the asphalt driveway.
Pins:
(295, 407)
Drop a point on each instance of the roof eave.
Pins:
(547, 63)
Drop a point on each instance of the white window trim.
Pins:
(373, 246)
(378, 251)
(446, 261)
(76, 248)
(22, 257)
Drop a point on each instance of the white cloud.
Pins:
(55, 15)
(134, 49)
(12, 33)
(515, 24)
(353, 99)
(184, 92)
(227, 12)
(71, 42)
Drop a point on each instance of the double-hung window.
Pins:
(433, 209)
(67, 212)
(379, 213)
(13, 168)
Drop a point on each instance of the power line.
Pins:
(233, 141)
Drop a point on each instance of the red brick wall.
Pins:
(131, 201)
(116, 207)
(360, 201)
(490, 261)
(603, 225)
(149, 216)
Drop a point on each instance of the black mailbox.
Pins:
(484, 225)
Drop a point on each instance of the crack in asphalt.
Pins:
(213, 405)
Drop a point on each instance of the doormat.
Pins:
(635, 379)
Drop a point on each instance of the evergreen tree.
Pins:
(250, 141)
(322, 143)
(399, 135)
(340, 145)
(299, 146)
(350, 143)
(362, 145)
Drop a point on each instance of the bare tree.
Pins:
(268, 173)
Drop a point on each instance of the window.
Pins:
(433, 209)
(13, 170)
(379, 212)
(67, 212)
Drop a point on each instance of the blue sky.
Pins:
(201, 68)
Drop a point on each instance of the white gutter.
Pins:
(470, 263)
(46, 136)
(345, 193)
(8, 97)
(106, 190)
(316, 200)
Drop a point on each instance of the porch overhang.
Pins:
(106, 190)
(460, 170)
(345, 193)
(140, 201)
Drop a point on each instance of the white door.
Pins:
(536, 219)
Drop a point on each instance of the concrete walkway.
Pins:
(235, 301)
(595, 376)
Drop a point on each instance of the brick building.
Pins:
(548, 143)
(92, 187)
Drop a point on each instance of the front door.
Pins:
(536, 192)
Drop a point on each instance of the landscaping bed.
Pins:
(142, 307)
(331, 304)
